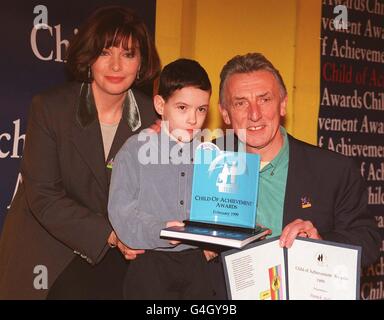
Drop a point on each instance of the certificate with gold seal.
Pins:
(309, 270)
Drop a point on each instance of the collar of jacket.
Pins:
(86, 111)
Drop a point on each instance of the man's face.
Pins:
(253, 102)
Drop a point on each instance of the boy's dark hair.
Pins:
(182, 73)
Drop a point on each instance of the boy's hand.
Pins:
(209, 255)
(174, 223)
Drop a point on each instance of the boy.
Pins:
(151, 189)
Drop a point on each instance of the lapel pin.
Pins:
(110, 164)
(305, 202)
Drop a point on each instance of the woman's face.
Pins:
(116, 69)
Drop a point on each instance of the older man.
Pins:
(304, 190)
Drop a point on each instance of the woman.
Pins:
(57, 228)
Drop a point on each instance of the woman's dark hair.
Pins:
(107, 27)
(182, 73)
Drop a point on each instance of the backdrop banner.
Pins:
(351, 116)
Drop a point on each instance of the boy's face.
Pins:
(184, 112)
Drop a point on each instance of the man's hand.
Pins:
(269, 232)
(174, 223)
(128, 253)
(297, 228)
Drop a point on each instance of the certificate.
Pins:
(309, 270)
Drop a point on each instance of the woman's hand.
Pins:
(127, 252)
(155, 126)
